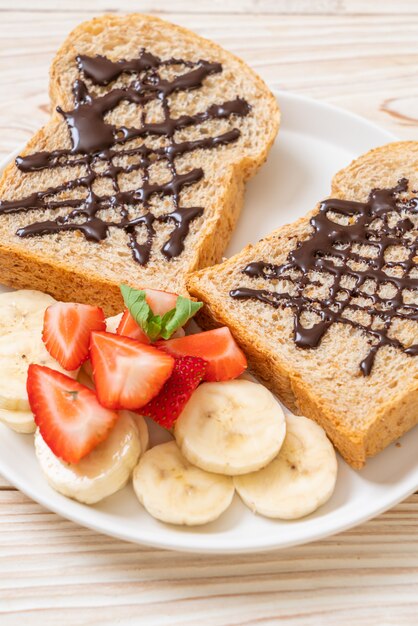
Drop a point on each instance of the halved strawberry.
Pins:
(160, 303)
(225, 359)
(165, 408)
(127, 374)
(66, 332)
(69, 416)
(129, 328)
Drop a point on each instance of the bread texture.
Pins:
(361, 414)
(66, 264)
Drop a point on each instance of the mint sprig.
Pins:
(156, 326)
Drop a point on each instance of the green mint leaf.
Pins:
(176, 318)
(141, 312)
(156, 326)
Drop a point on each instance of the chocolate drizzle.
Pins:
(349, 249)
(97, 144)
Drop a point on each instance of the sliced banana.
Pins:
(102, 472)
(232, 427)
(19, 421)
(142, 429)
(113, 322)
(22, 310)
(299, 480)
(17, 351)
(85, 375)
(21, 322)
(174, 491)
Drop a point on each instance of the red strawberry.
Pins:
(69, 416)
(160, 303)
(127, 373)
(225, 359)
(67, 328)
(166, 407)
(129, 328)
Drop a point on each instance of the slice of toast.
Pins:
(332, 326)
(154, 132)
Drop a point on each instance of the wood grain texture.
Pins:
(53, 572)
(358, 54)
(368, 64)
(277, 7)
(4, 484)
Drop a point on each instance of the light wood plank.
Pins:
(367, 64)
(278, 7)
(4, 484)
(368, 575)
(55, 572)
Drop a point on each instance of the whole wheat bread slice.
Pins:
(67, 265)
(361, 414)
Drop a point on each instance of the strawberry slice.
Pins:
(127, 374)
(160, 303)
(225, 359)
(129, 328)
(165, 408)
(69, 416)
(66, 332)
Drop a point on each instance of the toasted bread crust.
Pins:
(27, 267)
(392, 416)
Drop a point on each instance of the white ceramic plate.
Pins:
(314, 142)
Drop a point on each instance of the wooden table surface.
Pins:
(358, 54)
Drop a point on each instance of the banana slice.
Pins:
(85, 375)
(174, 491)
(21, 321)
(113, 322)
(17, 351)
(19, 421)
(142, 429)
(299, 480)
(22, 310)
(232, 427)
(102, 472)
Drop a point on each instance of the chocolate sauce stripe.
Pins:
(379, 275)
(42, 160)
(102, 71)
(95, 141)
(320, 265)
(309, 304)
(330, 240)
(270, 298)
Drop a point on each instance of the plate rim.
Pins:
(185, 541)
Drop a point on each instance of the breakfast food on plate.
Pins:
(164, 408)
(88, 443)
(224, 358)
(175, 491)
(21, 323)
(142, 430)
(231, 427)
(68, 414)
(326, 308)
(105, 470)
(298, 480)
(127, 373)
(140, 171)
(67, 329)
